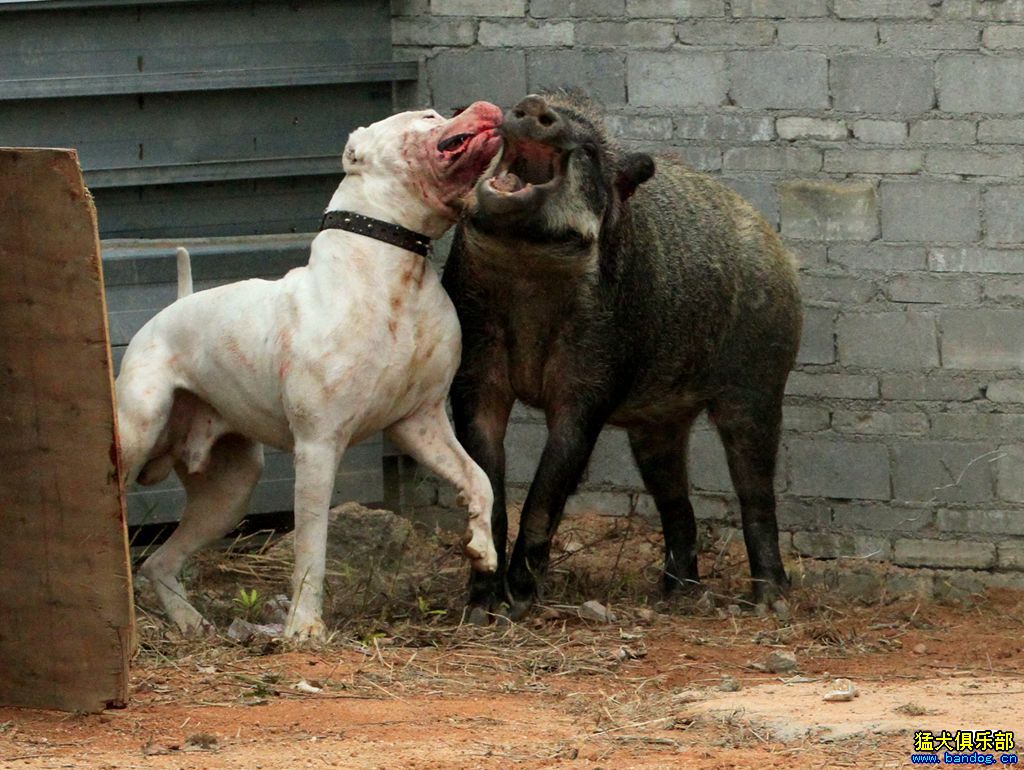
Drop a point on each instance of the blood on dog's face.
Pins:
(438, 159)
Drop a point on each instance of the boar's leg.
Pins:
(480, 411)
(660, 455)
(749, 424)
(572, 433)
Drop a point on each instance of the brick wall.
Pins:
(885, 139)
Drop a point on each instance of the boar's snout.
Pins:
(532, 118)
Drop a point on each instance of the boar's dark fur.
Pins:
(600, 294)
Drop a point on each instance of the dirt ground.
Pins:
(404, 686)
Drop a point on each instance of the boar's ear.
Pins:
(634, 170)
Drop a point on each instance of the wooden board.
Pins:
(66, 617)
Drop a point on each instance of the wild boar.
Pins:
(611, 288)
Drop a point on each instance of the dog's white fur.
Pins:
(360, 340)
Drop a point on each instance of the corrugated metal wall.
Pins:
(216, 121)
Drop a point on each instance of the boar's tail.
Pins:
(184, 273)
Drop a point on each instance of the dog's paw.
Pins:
(305, 630)
(479, 549)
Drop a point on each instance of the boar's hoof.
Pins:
(477, 615)
(768, 591)
(519, 608)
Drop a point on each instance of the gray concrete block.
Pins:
(1010, 470)
(932, 289)
(701, 158)
(795, 127)
(974, 83)
(808, 254)
(625, 34)
(458, 78)
(1003, 290)
(674, 9)
(981, 522)
(942, 471)
(527, 32)
(543, 9)
(931, 387)
(1004, 215)
(873, 423)
(838, 469)
(875, 84)
(723, 126)
(612, 461)
(1011, 555)
(834, 545)
(601, 74)
(409, 7)
(742, 34)
(963, 554)
(880, 517)
(600, 502)
(805, 419)
(829, 385)
(852, 160)
(980, 338)
(772, 158)
(829, 210)
(880, 131)
(478, 7)
(431, 31)
(524, 444)
(1002, 10)
(779, 9)
(970, 259)
(974, 163)
(797, 514)
(708, 468)
(757, 191)
(969, 425)
(648, 128)
(842, 289)
(779, 79)
(676, 79)
(884, 9)
(817, 342)
(1006, 392)
(929, 37)
(831, 34)
(1003, 37)
(943, 131)
(1001, 131)
(868, 340)
(930, 211)
(877, 256)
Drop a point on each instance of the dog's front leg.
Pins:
(429, 438)
(316, 464)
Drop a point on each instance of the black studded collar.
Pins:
(378, 229)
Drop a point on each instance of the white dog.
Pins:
(360, 340)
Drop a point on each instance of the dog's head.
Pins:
(433, 159)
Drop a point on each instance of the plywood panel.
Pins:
(65, 591)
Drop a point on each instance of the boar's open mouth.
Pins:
(526, 166)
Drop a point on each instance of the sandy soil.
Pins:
(560, 692)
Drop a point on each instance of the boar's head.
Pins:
(559, 180)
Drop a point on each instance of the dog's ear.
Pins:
(352, 158)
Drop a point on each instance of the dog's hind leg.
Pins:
(428, 437)
(217, 500)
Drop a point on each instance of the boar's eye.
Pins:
(591, 149)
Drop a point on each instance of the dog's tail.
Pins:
(184, 273)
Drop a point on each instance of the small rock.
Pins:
(706, 603)
(920, 648)
(734, 610)
(303, 686)
(572, 546)
(646, 615)
(550, 613)
(761, 610)
(729, 684)
(843, 690)
(781, 609)
(597, 612)
(780, 662)
(243, 631)
(203, 741)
